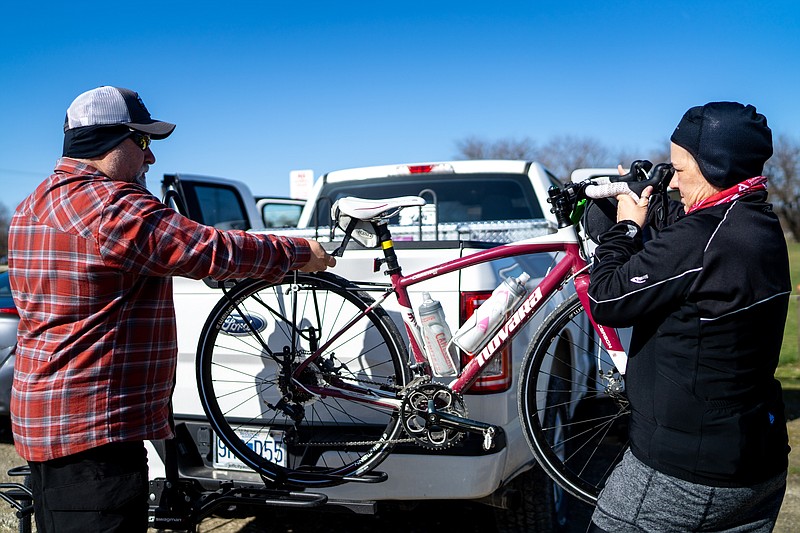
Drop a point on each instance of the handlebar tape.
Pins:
(610, 190)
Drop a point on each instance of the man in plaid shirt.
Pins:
(91, 256)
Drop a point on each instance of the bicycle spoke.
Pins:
(253, 379)
(572, 405)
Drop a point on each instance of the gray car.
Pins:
(9, 318)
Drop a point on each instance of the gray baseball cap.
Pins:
(114, 106)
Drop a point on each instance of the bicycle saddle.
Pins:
(365, 209)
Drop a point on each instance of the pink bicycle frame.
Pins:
(571, 265)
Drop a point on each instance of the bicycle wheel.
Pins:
(253, 340)
(572, 403)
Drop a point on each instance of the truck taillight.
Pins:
(424, 169)
(496, 376)
(420, 169)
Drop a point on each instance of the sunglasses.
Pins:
(142, 140)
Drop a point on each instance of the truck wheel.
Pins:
(542, 507)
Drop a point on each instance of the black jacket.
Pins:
(707, 299)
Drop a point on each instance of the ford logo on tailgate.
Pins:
(236, 326)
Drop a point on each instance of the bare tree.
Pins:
(477, 148)
(783, 171)
(561, 155)
(660, 155)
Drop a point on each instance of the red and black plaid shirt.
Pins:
(90, 263)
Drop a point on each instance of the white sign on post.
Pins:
(300, 183)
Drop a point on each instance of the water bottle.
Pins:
(436, 336)
(484, 322)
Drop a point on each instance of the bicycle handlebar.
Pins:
(641, 175)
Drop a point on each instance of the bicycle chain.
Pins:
(354, 443)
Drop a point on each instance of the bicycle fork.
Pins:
(608, 336)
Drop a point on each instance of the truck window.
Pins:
(459, 198)
(218, 205)
(280, 214)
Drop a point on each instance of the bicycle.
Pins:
(315, 373)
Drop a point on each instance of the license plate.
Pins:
(265, 442)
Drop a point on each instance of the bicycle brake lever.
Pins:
(659, 178)
(638, 172)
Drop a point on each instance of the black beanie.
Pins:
(730, 141)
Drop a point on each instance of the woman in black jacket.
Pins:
(707, 299)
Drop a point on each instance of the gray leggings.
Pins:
(637, 498)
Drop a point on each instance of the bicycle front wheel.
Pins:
(305, 430)
(572, 403)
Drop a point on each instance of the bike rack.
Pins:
(179, 503)
(176, 504)
(183, 504)
(20, 497)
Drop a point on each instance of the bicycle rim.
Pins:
(256, 335)
(572, 405)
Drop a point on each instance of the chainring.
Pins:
(415, 416)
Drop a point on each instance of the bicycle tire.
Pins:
(574, 419)
(242, 368)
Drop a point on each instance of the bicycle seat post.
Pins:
(385, 241)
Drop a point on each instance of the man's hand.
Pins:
(630, 209)
(320, 259)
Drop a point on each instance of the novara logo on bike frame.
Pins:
(236, 326)
(519, 316)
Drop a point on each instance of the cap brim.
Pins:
(157, 129)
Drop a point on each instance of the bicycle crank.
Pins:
(436, 417)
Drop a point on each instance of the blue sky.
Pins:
(258, 89)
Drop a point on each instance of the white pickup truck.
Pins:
(472, 205)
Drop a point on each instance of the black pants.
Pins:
(102, 489)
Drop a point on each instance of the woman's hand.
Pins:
(630, 209)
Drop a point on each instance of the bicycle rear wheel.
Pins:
(572, 403)
(254, 339)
